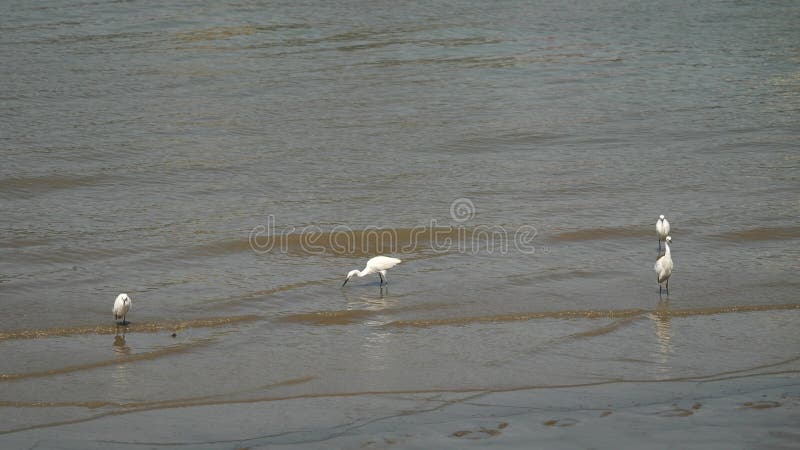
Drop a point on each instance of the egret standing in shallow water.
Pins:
(121, 307)
(662, 229)
(663, 266)
(379, 264)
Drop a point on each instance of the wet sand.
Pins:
(758, 409)
(753, 406)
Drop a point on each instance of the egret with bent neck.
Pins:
(378, 264)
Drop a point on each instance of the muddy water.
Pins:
(227, 163)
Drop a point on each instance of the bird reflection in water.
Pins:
(120, 346)
(120, 376)
(662, 319)
(372, 301)
(375, 343)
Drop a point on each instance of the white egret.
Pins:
(663, 266)
(379, 265)
(662, 230)
(121, 307)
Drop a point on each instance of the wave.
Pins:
(604, 233)
(344, 317)
(762, 234)
(516, 317)
(94, 404)
(724, 310)
(215, 33)
(606, 329)
(31, 186)
(138, 327)
(346, 242)
(170, 350)
(622, 314)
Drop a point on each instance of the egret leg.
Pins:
(667, 287)
(379, 274)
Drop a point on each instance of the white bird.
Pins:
(379, 264)
(662, 230)
(663, 266)
(121, 307)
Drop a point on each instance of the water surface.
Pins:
(145, 144)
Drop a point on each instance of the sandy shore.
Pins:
(751, 410)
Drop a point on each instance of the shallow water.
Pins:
(227, 163)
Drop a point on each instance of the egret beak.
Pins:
(345, 281)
